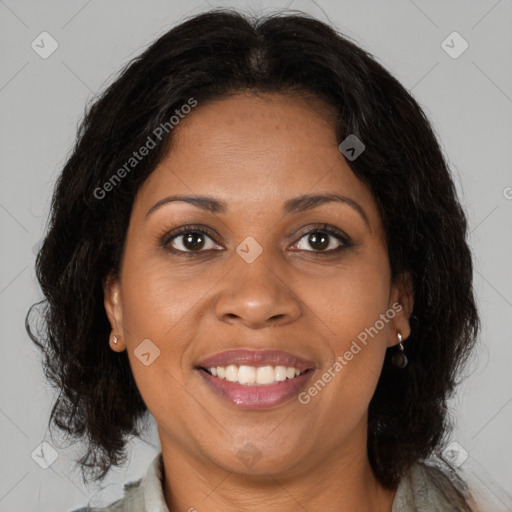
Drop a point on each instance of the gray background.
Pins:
(468, 99)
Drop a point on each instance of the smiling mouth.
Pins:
(254, 375)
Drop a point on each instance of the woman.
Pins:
(258, 241)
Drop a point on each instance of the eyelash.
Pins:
(321, 228)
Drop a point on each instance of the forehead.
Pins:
(251, 150)
(271, 125)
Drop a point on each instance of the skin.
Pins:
(254, 152)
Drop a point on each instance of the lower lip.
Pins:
(253, 396)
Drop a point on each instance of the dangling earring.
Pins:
(399, 359)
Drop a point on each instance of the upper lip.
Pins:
(256, 358)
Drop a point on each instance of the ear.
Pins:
(402, 302)
(113, 308)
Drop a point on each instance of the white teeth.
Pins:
(232, 373)
(265, 375)
(250, 375)
(247, 375)
(281, 373)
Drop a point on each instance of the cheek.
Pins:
(155, 312)
(156, 296)
(164, 304)
(352, 317)
(350, 301)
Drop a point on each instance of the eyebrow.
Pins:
(295, 205)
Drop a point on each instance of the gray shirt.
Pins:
(425, 488)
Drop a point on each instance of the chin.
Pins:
(259, 459)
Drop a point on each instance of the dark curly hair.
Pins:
(207, 57)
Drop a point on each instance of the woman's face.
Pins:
(265, 276)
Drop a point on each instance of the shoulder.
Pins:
(431, 487)
(132, 500)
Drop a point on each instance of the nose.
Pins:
(256, 295)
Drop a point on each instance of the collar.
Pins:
(153, 485)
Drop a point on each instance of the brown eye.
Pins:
(318, 240)
(323, 239)
(193, 241)
(189, 240)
